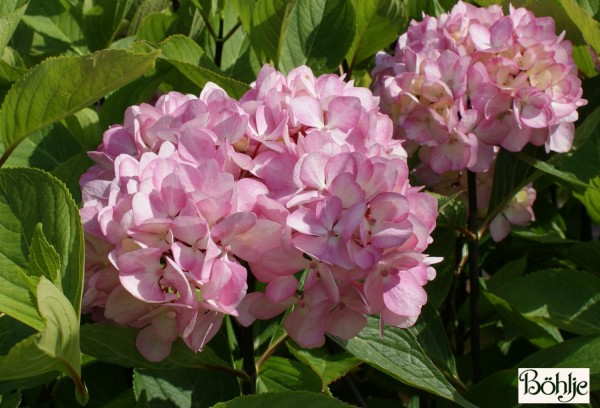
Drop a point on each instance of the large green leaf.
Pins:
(290, 399)
(398, 354)
(328, 366)
(538, 333)
(317, 33)
(102, 20)
(548, 168)
(145, 7)
(61, 86)
(156, 26)
(184, 387)
(431, 335)
(279, 374)
(116, 345)
(583, 351)
(10, 399)
(29, 197)
(56, 347)
(499, 390)
(57, 21)
(43, 258)
(189, 58)
(586, 255)
(11, 12)
(567, 299)
(378, 23)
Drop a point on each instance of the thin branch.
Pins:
(271, 349)
(231, 32)
(473, 245)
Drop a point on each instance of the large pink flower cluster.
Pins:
(338, 184)
(300, 183)
(473, 79)
(165, 216)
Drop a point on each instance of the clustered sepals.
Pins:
(299, 183)
(461, 86)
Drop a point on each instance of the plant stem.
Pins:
(474, 275)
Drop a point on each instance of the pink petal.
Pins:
(307, 110)
(151, 345)
(281, 288)
(343, 112)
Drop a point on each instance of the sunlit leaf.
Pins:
(279, 374)
(29, 197)
(567, 299)
(11, 12)
(399, 355)
(185, 387)
(61, 86)
(328, 366)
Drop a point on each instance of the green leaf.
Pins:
(56, 347)
(508, 272)
(430, 333)
(329, 367)
(29, 197)
(11, 12)
(245, 11)
(146, 7)
(238, 59)
(452, 211)
(499, 389)
(185, 387)
(43, 258)
(116, 345)
(156, 26)
(584, 160)
(378, 23)
(189, 58)
(84, 126)
(279, 374)
(583, 351)
(567, 299)
(56, 20)
(10, 400)
(10, 73)
(290, 399)
(61, 86)
(538, 333)
(102, 21)
(548, 168)
(317, 33)
(586, 255)
(266, 28)
(590, 28)
(399, 355)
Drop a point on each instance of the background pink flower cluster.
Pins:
(463, 85)
(473, 79)
(300, 182)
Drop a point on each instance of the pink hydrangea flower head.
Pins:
(338, 186)
(475, 78)
(167, 220)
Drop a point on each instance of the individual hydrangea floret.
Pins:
(472, 79)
